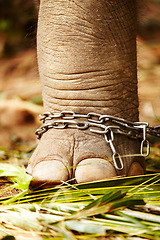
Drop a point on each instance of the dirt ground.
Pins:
(149, 81)
(20, 92)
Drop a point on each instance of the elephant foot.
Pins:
(80, 156)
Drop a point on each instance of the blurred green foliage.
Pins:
(18, 20)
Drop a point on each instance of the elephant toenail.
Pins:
(93, 169)
(29, 169)
(136, 169)
(50, 171)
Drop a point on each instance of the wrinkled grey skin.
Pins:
(87, 63)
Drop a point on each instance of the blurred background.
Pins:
(20, 92)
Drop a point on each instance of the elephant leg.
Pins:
(87, 63)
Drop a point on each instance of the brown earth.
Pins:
(149, 81)
(19, 84)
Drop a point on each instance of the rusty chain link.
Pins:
(106, 125)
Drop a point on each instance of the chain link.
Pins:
(106, 125)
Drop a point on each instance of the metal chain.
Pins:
(106, 125)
